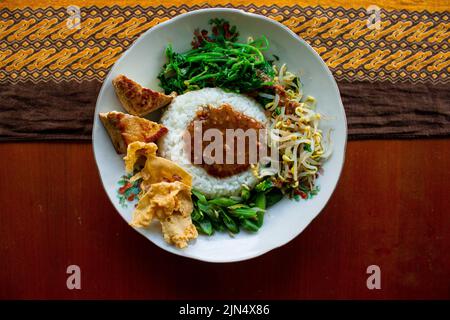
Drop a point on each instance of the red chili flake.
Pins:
(131, 198)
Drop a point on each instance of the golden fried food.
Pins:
(178, 230)
(156, 169)
(171, 204)
(136, 99)
(124, 129)
(166, 194)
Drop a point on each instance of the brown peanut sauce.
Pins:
(222, 118)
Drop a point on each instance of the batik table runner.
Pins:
(391, 59)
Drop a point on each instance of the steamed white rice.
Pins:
(177, 117)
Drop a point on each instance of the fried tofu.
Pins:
(136, 99)
(125, 129)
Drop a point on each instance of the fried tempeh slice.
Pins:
(124, 129)
(136, 99)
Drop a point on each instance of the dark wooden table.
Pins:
(391, 209)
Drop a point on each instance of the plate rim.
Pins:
(296, 37)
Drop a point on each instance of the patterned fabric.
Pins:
(394, 79)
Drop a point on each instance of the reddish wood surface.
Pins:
(391, 209)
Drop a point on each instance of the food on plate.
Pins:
(178, 230)
(124, 129)
(218, 60)
(137, 100)
(166, 194)
(155, 169)
(138, 151)
(171, 204)
(233, 104)
(223, 118)
(296, 143)
(179, 116)
(162, 200)
(294, 132)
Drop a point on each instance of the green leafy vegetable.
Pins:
(218, 61)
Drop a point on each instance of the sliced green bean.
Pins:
(249, 225)
(223, 202)
(204, 226)
(230, 223)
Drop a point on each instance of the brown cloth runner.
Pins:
(394, 78)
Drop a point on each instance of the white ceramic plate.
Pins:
(143, 61)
